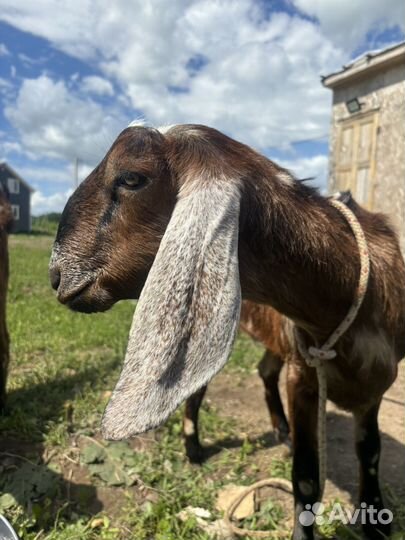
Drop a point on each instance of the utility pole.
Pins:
(76, 173)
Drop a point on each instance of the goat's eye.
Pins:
(131, 180)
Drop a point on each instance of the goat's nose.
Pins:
(54, 276)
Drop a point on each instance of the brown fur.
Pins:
(5, 224)
(296, 254)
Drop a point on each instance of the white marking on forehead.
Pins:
(141, 122)
(138, 122)
(164, 129)
(285, 178)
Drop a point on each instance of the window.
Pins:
(15, 208)
(13, 185)
(355, 163)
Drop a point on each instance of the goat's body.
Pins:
(372, 347)
(317, 292)
(316, 298)
(371, 360)
(372, 370)
(296, 253)
(365, 366)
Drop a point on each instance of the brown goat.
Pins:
(195, 220)
(266, 325)
(5, 225)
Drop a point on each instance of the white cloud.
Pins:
(35, 174)
(97, 85)
(220, 63)
(265, 91)
(347, 22)
(3, 50)
(260, 79)
(9, 147)
(31, 61)
(54, 122)
(308, 167)
(5, 84)
(43, 204)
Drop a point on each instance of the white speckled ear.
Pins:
(187, 315)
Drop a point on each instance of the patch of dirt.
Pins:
(75, 483)
(241, 397)
(80, 488)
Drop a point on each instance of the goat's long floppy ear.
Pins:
(187, 315)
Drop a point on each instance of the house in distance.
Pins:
(19, 194)
(367, 142)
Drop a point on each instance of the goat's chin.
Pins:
(91, 301)
(101, 295)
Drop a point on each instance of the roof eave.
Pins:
(388, 58)
(10, 168)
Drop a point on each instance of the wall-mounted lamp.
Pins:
(353, 105)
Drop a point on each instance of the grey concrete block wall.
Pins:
(382, 91)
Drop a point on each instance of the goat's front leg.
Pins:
(303, 409)
(194, 449)
(368, 447)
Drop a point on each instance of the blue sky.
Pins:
(72, 77)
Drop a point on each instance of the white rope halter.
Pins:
(315, 357)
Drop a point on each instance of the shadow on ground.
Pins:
(34, 476)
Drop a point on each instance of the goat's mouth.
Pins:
(86, 297)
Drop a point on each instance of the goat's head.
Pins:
(160, 212)
(112, 225)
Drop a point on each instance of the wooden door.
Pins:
(355, 160)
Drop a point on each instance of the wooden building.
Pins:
(367, 142)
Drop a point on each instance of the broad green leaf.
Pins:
(113, 463)
(92, 453)
(7, 501)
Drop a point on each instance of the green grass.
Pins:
(63, 366)
(57, 355)
(46, 224)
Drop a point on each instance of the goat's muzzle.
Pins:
(79, 290)
(54, 276)
(70, 292)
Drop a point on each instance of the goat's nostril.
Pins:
(54, 276)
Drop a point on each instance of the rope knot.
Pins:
(314, 356)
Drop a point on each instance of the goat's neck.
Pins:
(299, 255)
